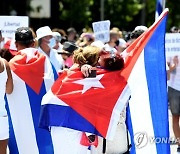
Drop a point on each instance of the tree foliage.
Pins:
(174, 13)
(83, 12)
(173, 16)
(122, 12)
(125, 14)
(75, 12)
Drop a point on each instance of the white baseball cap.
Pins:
(43, 31)
(141, 27)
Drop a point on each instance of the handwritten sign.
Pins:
(101, 30)
(9, 24)
(172, 44)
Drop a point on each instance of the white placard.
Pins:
(172, 44)
(101, 30)
(9, 24)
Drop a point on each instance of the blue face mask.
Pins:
(52, 43)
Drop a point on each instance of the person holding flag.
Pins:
(90, 56)
(93, 105)
(66, 140)
(6, 87)
(33, 75)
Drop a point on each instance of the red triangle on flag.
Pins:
(31, 71)
(97, 109)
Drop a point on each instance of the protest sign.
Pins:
(9, 24)
(172, 44)
(101, 30)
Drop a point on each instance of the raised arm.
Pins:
(9, 83)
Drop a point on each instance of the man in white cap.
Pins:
(46, 42)
(32, 76)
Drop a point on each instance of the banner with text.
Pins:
(172, 44)
(9, 24)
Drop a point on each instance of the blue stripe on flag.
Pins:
(12, 140)
(159, 7)
(70, 118)
(156, 77)
(130, 129)
(43, 137)
(54, 72)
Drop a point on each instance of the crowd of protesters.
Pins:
(60, 47)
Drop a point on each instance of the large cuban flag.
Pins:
(94, 104)
(87, 104)
(147, 113)
(33, 75)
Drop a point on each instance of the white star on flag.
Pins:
(30, 52)
(90, 82)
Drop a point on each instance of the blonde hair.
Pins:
(116, 30)
(87, 55)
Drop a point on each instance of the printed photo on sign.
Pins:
(101, 30)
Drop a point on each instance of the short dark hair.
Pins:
(24, 36)
(71, 30)
(136, 33)
(115, 62)
(174, 29)
(69, 47)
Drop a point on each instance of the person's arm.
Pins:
(9, 83)
(172, 66)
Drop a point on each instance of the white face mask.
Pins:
(52, 43)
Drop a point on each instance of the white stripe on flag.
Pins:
(141, 121)
(120, 105)
(21, 116)
(48, 75)
(50, 98)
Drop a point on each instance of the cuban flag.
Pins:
(94, 104)
(86, 104)
(33, 75)
(147, 113)
(160, 5)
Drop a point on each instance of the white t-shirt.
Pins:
(174, 81)
(109, 48)
(3, 77)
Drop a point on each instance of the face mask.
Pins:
(52, 43)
